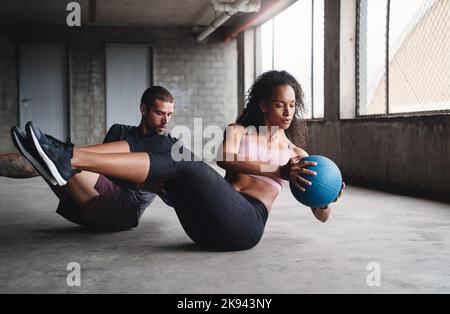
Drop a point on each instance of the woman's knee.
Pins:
(156, 144)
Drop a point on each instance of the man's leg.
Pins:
(95, 202)
(80, 188)
(75, 195)
(79, 191)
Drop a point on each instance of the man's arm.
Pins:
(114, 134)
(14, 165)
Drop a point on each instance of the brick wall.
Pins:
(202, 77)
(8, 90)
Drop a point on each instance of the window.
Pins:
(403, 53)
(294, 41)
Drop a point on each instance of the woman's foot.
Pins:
(55, 154)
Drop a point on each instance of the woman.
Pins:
(218, 213)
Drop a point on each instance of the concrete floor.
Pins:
(408, 237)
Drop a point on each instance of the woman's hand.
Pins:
(323, 214)
(294, 168)
(340, 193)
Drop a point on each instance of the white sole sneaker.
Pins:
(51, 166)
(36, 164)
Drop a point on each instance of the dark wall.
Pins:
(409, 154)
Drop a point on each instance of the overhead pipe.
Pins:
(226, 6)
(264, 14)
(222, 19)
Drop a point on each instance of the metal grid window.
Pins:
(403, 56)
(294, 41)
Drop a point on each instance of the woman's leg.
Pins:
(64, 161)
(112, 147)
(127, 160)
(212, 212)
(132, 167)
(155, 143)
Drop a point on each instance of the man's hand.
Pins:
(157, 188)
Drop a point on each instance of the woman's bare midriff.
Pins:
(254, 187)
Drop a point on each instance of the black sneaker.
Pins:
(56, 154)
(26, 148)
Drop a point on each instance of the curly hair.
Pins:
(262, 91)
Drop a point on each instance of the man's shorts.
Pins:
(114, 209)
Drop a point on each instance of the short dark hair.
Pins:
(156, 92)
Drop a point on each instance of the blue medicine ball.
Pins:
(325, 186)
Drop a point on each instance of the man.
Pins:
(92, 200)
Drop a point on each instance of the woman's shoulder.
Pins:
(297, 151)
(236, 128)
(234, 133)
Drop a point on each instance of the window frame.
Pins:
(257, 69)
(387, 114)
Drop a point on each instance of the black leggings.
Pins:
(213, 214)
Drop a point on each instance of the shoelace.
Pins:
(70, 145)
(62, 147)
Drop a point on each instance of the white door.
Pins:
(128, 75)
(43, 88)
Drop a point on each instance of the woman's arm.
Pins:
(14, 165)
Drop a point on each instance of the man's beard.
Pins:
(158, 130)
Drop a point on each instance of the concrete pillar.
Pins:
(246, 64)
(332, 45)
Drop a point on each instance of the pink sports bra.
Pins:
(278, 157)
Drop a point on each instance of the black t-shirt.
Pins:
(120, 132)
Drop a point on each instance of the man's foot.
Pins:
(26, 148)
(55, 154)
